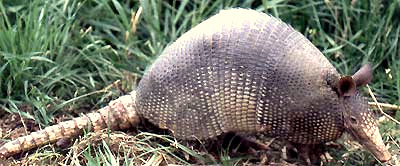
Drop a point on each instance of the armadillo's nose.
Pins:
(376, 146)
(384, 156)
(379, 151)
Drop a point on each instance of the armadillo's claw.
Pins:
(233, 139)
(312, 153)
(326, 157)
(256, 145)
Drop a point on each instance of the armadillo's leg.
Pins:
(119, 113)
(312, 153)
(240, 143)
(253, 144)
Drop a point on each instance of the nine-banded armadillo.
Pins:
(239, 71)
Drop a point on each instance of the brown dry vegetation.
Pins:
(77, 49)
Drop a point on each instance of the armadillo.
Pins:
(238, 71)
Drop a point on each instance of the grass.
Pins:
(58, 56)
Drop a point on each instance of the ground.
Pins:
(149, 144)
(61, 58)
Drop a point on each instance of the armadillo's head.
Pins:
(358, 120)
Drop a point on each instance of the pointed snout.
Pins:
(368, 135)
(384, 155)
(378, 149)
(376, 146)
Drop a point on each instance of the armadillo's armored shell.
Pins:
(242, 70)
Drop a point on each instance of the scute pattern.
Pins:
(241, 75)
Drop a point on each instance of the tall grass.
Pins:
(56, 56)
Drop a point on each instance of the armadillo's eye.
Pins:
(353, 120)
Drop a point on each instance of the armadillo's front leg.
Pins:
(119, 114)
(311, 153)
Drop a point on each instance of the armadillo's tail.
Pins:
(119, 114)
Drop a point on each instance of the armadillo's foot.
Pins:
(312, 154)
(242, 144)
(254, 144)
(251, 145)
(326, 157)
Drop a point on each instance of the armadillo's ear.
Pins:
(346, 86)
(363, 76)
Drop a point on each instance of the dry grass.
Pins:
(56, 57)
